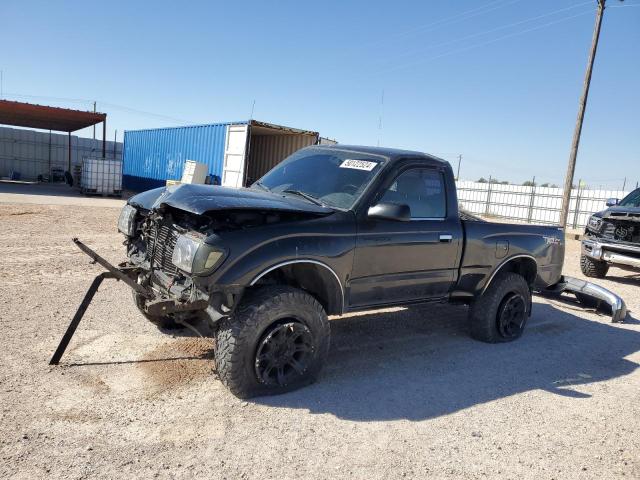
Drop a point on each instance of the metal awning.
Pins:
(29, 115)
(47, 118)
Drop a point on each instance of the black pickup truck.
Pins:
(329, 230)
(612, 237)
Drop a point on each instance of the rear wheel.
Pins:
(593, 268)
(501, 312)
(276, 341)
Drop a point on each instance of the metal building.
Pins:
(35, 154)
(237, 153)
(38, 155)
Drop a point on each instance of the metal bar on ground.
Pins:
(113, 270)
(62, 346)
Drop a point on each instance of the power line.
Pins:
(501, 27)
(450, 20)
(481, 44)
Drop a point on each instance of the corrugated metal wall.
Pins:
(151, 157)
(269, 150)
(30, 153)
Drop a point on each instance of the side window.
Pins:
(422, 189)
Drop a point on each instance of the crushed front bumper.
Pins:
(614, 253)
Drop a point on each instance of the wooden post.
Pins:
(571, 167)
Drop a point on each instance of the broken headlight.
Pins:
(595, 222)
(127, 221)
(192, 255)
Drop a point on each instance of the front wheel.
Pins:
(501, 312)
(276, 341)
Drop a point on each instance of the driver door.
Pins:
(408, 261)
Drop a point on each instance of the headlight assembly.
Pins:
(127, 221)
(595, 222)
(192, 255)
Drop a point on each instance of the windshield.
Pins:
(333, 177)
(631, 200)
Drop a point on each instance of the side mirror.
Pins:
(611, 202)
(390, 211)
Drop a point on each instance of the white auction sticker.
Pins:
(359, 164)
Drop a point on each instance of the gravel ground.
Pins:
(406, 392)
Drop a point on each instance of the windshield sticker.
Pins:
(359, 164)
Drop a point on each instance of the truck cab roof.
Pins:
(393, 154)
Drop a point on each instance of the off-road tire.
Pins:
(162, 322)
(593, 268)
(239, 337)
(485, 310)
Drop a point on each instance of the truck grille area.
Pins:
(621, 231)
(161, 241)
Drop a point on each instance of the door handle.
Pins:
(446, 237)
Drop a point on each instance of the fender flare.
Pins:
(307, 260)
(503, 264)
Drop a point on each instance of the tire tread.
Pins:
(483, 311)
(235, 333)
(593, 268)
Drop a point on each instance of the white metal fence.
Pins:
(532, 204)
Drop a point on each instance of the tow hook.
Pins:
(594, 294)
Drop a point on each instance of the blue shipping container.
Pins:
(151, 157)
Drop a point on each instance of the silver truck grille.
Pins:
(160, 245)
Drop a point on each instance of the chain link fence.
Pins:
(532, 204)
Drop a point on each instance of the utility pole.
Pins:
(459, 162)
(94, 126)
(568, 182)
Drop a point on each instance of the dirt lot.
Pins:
(406, 392)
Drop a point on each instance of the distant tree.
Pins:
(504, 182)
(494, 180)
(545, 185)
(553, 185)
(482, 180)
(529, 183)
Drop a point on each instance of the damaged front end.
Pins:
(169, 253)
(174, 249)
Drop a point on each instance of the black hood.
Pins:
(621, 213)
(200, 199)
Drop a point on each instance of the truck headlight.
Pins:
(595, 222)
(192, 255)
(127, 221)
